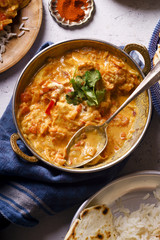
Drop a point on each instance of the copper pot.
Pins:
(143, 101)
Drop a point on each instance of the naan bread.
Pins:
(95, 223)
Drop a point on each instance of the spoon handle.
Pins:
(152, 77)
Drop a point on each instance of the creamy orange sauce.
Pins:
(48, 122)
(86, 146)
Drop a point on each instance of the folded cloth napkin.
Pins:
(29, 191)
(155, 89)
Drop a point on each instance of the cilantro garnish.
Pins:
(85, 89)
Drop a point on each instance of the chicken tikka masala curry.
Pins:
(82, 87)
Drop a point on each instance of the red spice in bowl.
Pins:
(72, 10)
(70, 13)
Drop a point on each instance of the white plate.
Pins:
(128, 191)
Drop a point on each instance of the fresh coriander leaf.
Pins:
(100, 94)
(91, 103)
(81, 94)
(74, 85)
(79, 81)
(72, 98)
(90, 95)
(75, 72)
(85, 89)
(91, 78)
(72, 81)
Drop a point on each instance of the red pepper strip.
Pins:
(2, 16)
(50, 105)
(68, 90)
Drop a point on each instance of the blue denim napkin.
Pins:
(155, 89)
(29, 191)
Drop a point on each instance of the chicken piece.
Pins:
(8, 10)
(86, 66)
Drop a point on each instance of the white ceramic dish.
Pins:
(128, 191)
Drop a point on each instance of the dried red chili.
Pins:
(72, 10)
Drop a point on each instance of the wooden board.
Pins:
(18, 47)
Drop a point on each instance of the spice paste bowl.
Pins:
(143, 101)
(71, 24)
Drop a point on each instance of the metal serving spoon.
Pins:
(152, 77)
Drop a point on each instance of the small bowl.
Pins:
(67, 23)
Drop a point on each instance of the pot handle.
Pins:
(144, 52)
(13, 140)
